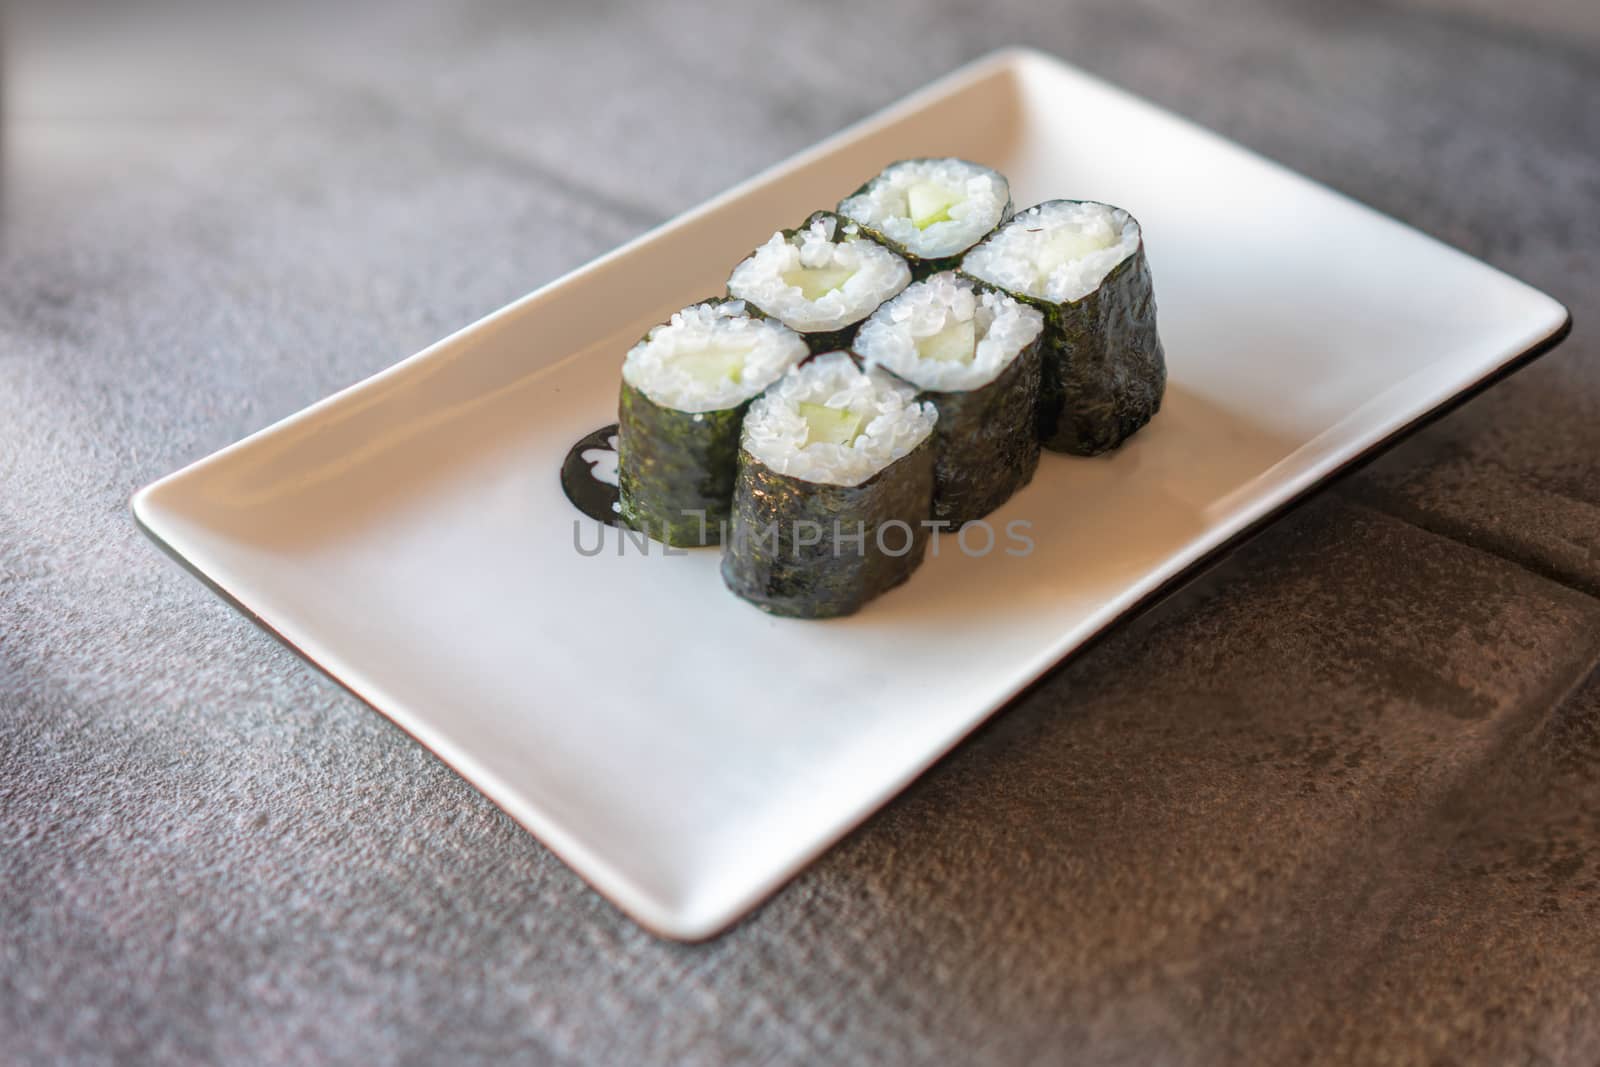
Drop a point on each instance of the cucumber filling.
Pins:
(1068, 245)
(815, 283)
(713, 363)
(956, 343)
(832, 426)
(930, 202)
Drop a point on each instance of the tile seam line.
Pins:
(1583, 676)
(1442, 530)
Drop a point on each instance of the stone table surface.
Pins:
(1339, 803)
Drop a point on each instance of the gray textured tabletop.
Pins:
(1340, 803)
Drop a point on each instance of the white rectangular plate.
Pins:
(683, 751)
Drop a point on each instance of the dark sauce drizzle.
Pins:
(584, 475)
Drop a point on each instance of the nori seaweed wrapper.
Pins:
(820, 341)
(987, 444)
(1103, 371)
(672, 464)
(921, 268)
(768, 562)
(830, 340)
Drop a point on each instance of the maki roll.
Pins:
(974, 353)
(1083, 265)
(685, 388)
(820, 280)
(835, 482)
(931, 210)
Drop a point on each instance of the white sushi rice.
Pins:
(1002, 328)
(1059, 251)
(884, 206)
(756, 351)
(874, 275)
(776, 433)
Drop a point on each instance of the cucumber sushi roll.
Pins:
(835, 482)
(1083, 265)
(685, 388)
(820, 280)
(931, 210)
(974, 353)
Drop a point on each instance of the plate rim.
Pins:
(654, 916)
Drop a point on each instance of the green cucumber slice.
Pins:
(1068, 245)
(929, 202)
(833, 426)
(956, 343)
(815, 283)
(712, 364)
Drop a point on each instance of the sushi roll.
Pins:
(835, 482)
(820, 280)
(974, 353)
(685, 388)
(1083, 265)
(931, 211)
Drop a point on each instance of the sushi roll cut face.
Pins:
(946, 334)
(711, 356)
(835, 483)
(820, 280)
(833, 423)
(1058, 252)
(686, 387)
(1083, 264)
(974, 351)
(931, 210)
